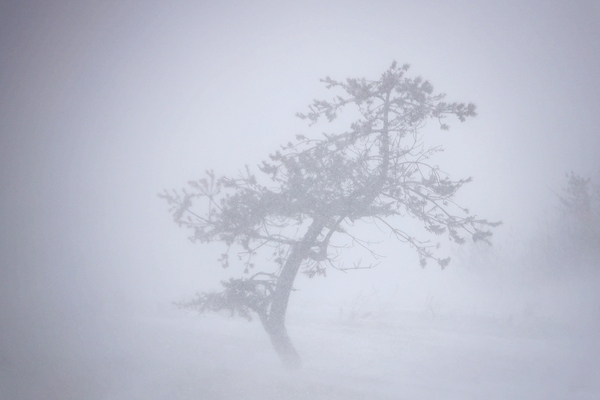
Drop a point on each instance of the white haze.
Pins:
(103, 104)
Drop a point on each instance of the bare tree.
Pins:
(314, 190)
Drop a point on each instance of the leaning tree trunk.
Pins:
(274, 320)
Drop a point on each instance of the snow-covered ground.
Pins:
(379, 354)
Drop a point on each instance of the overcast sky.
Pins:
(105, 103)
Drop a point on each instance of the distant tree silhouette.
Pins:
(580, 215)
(314, 190)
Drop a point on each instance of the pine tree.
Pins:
(315, 190)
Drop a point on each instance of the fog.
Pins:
(105, 104)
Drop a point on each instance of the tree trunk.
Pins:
(274, 321)
(283, 345)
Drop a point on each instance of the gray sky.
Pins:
(105, 103)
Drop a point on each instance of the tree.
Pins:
(296, 209)
(580, 216)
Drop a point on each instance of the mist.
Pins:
(105, 104)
